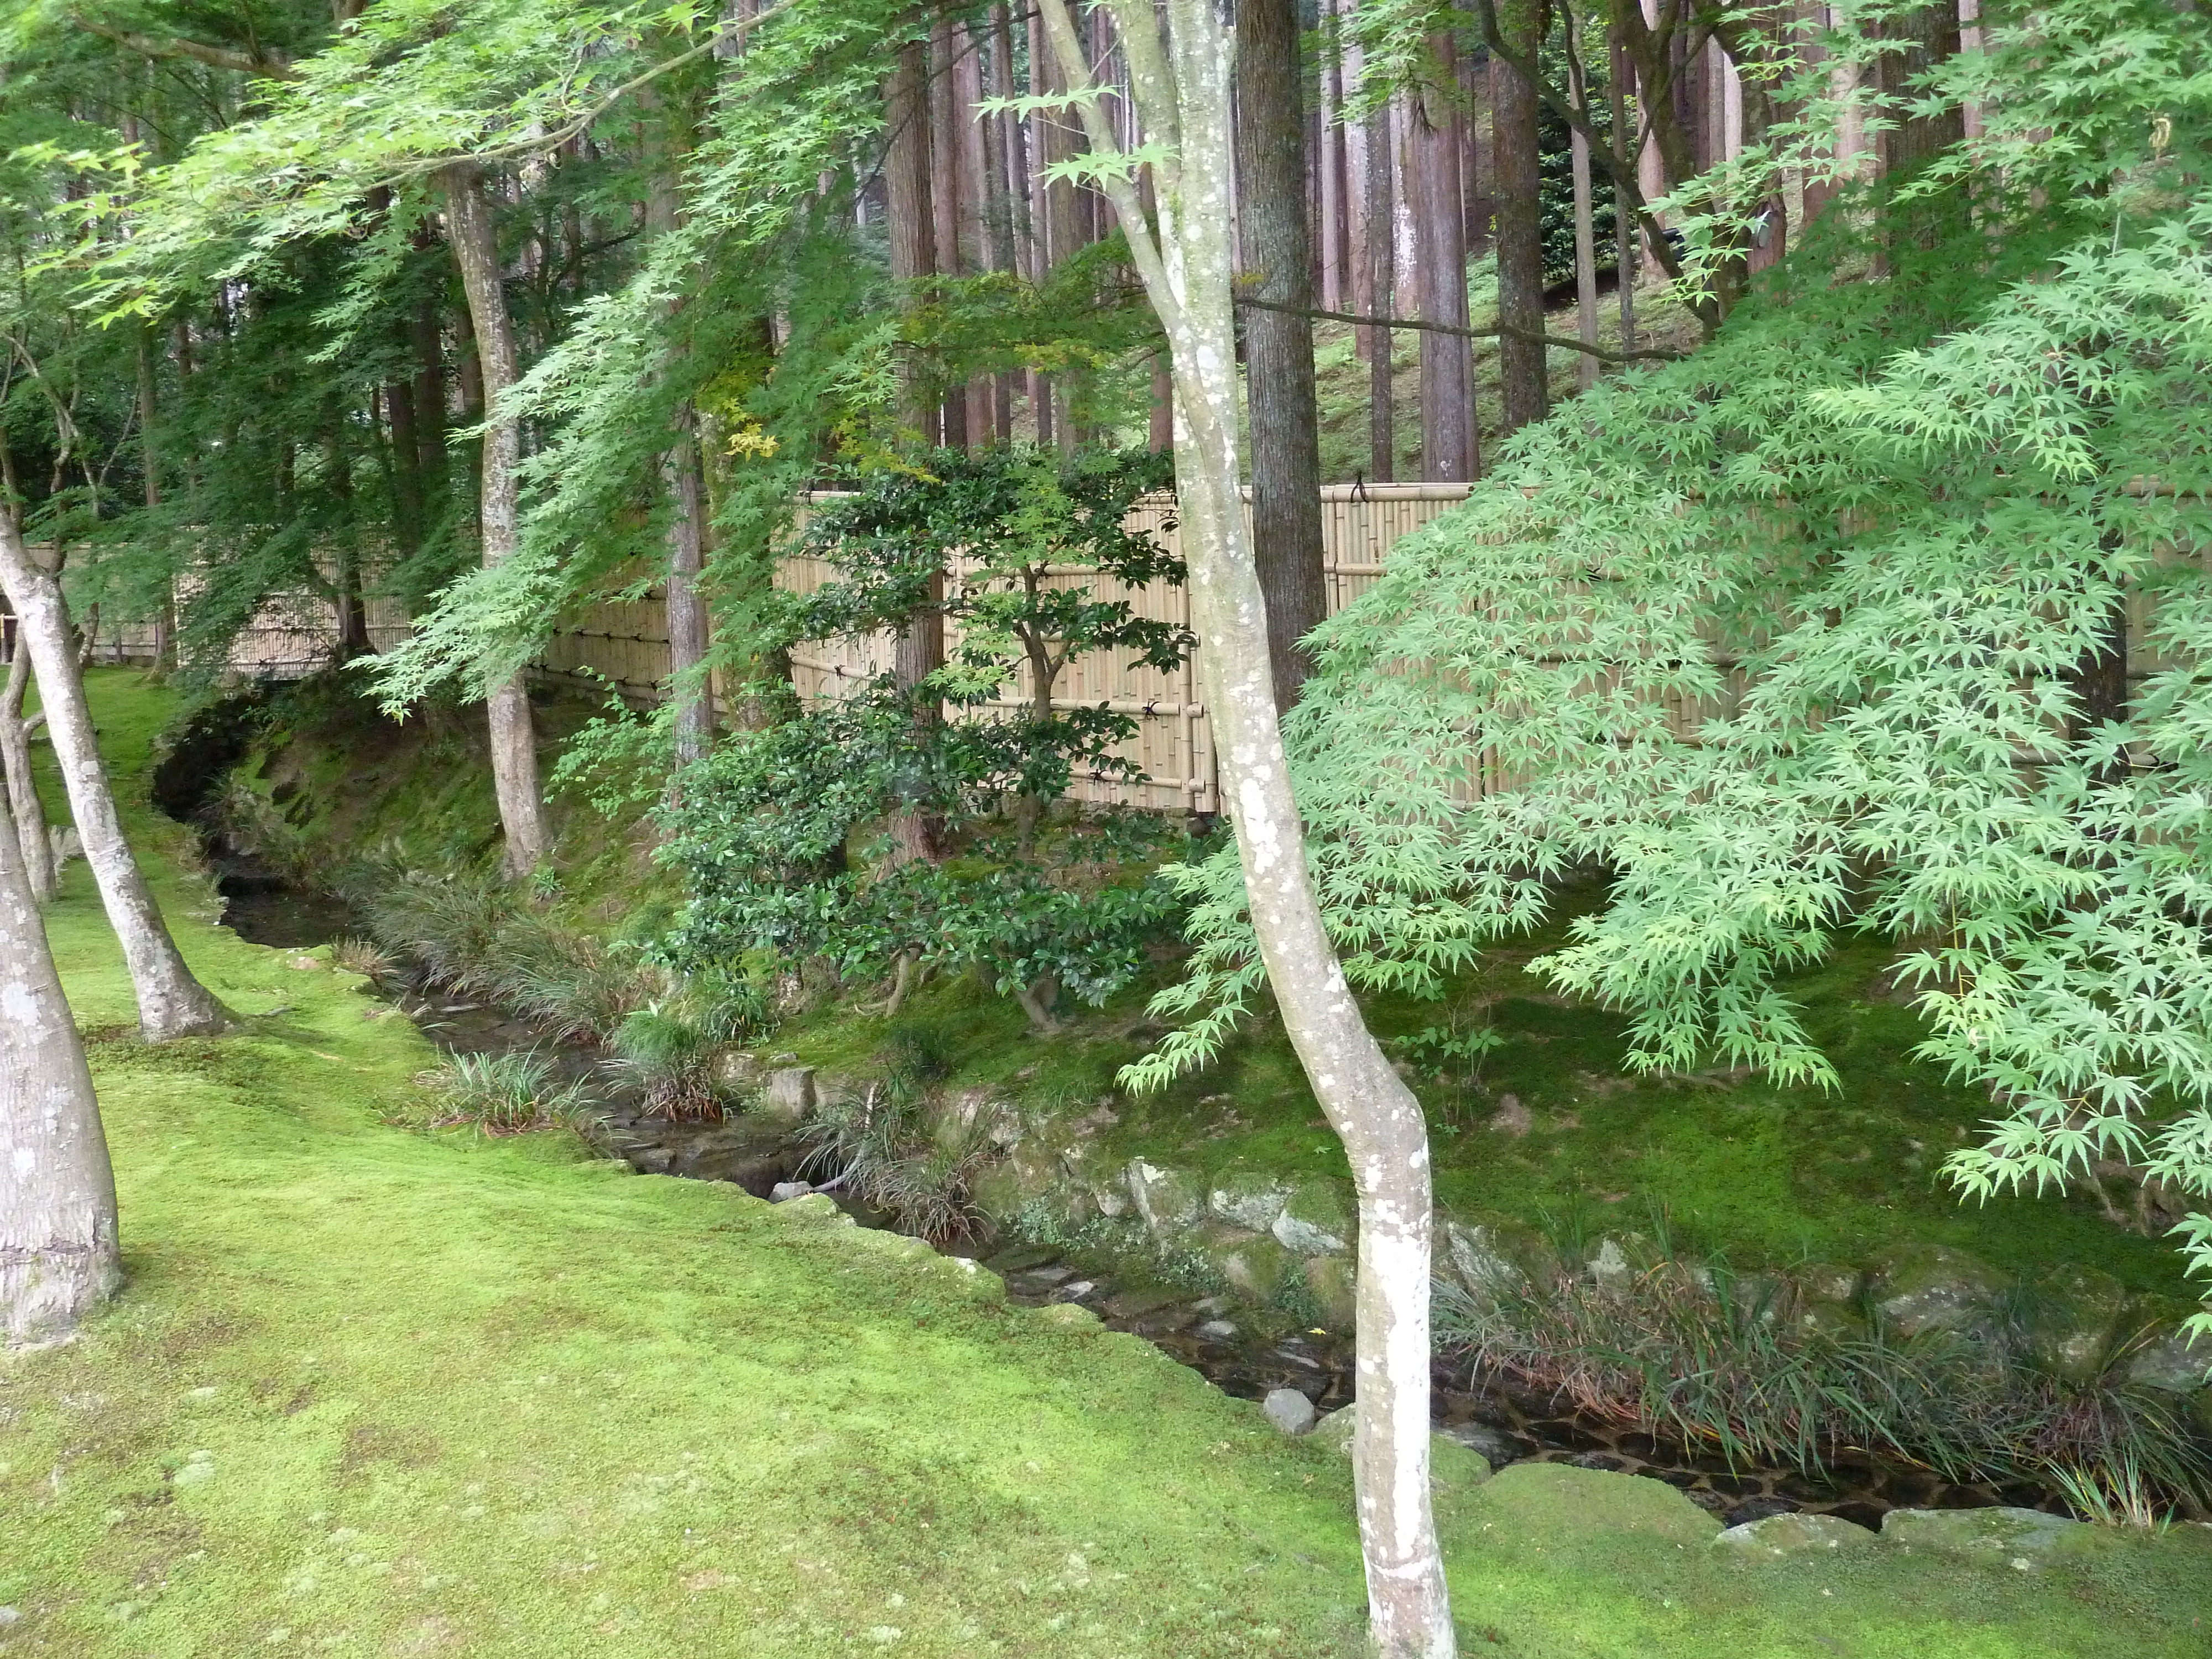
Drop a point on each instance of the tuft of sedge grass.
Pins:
(504, 1093)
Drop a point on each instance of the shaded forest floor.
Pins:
(375, 1392)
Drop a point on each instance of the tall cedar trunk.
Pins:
(1278, 348)
(171, 1002)
(971, 175)
(407, 501)
(910, 179)
(349, 603)
(150, 459)
(1382, 289)
(689, 628)
(475, 241)
(57, 1227)
(1447, 429)
(1585, 242)
(1330, 160)
(684, 474)
(1624, 224)
(429, 351)
(1517, 171)
(27, 812)
(944, 197)
(912, 219)
(1185, 90)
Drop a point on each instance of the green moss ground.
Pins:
(372, 1393)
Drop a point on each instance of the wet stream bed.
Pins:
(1243, 1354)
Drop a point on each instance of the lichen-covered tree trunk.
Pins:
(171, 1002)
(57, 1250)
(23, 804)
(514, 732)
(1180, 82)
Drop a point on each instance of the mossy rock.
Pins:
(1317, 1219)
(1781, 1535)
(1168, 1199)
(1559, 1500)
(2171, 1363)
(1335, 1282)
(1452, 1467)
(2073, 1317)
(1248, 1197)
(1935, 1288)
(2019, 1539)
(1482, 1254)
(816, 1207)
(1252, 1264)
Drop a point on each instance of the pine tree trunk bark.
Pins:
(1181, 86)
(1279, 349)
(171, 1002)
(26, 811)
(1517, 171)
(59, 1258)
(1449, 443)
(944, 199)
(475, 241)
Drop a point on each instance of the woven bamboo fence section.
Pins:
(627, 643)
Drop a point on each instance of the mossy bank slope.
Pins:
(369, 1392)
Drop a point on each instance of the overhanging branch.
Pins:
(1559, 340)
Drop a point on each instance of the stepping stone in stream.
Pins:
(1288, 1410)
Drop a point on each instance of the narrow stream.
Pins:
(1506, 1424)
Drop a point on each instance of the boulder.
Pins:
(2019, 1539)
(1247, 1198)
(1827, 1281)
(1935, 1288)
(1316, 1219)
(1561, 1501)
(789, 1096)
(1070, 1316)
(1335, 1282)
(2172, 1363)
(1288, 1410)
(1168, 1198)
(1778, 1536)
(736, 1069)
(2073, 1315)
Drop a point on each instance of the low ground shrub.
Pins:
(889, 1150)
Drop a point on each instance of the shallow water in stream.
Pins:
(1504, 1423)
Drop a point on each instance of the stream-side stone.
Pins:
(1486, 1258)
(1168, 1198)
(790, 1094)
(1778, 1536)
(1935, 1288)
(1316, 1219)
(1288, 1410)
(2022, 1538)
(1246, 1198)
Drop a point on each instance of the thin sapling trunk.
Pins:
(1180, 77)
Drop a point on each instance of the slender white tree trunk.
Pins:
(475, 242)
(171, 1002)
(58, 1254)
(23, 803)
(1181, 86)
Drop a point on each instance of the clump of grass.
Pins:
(883, 1146)
(505, 1094)
(1716, 1360)
(362, 955)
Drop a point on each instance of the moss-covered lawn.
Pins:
(372, 1393)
